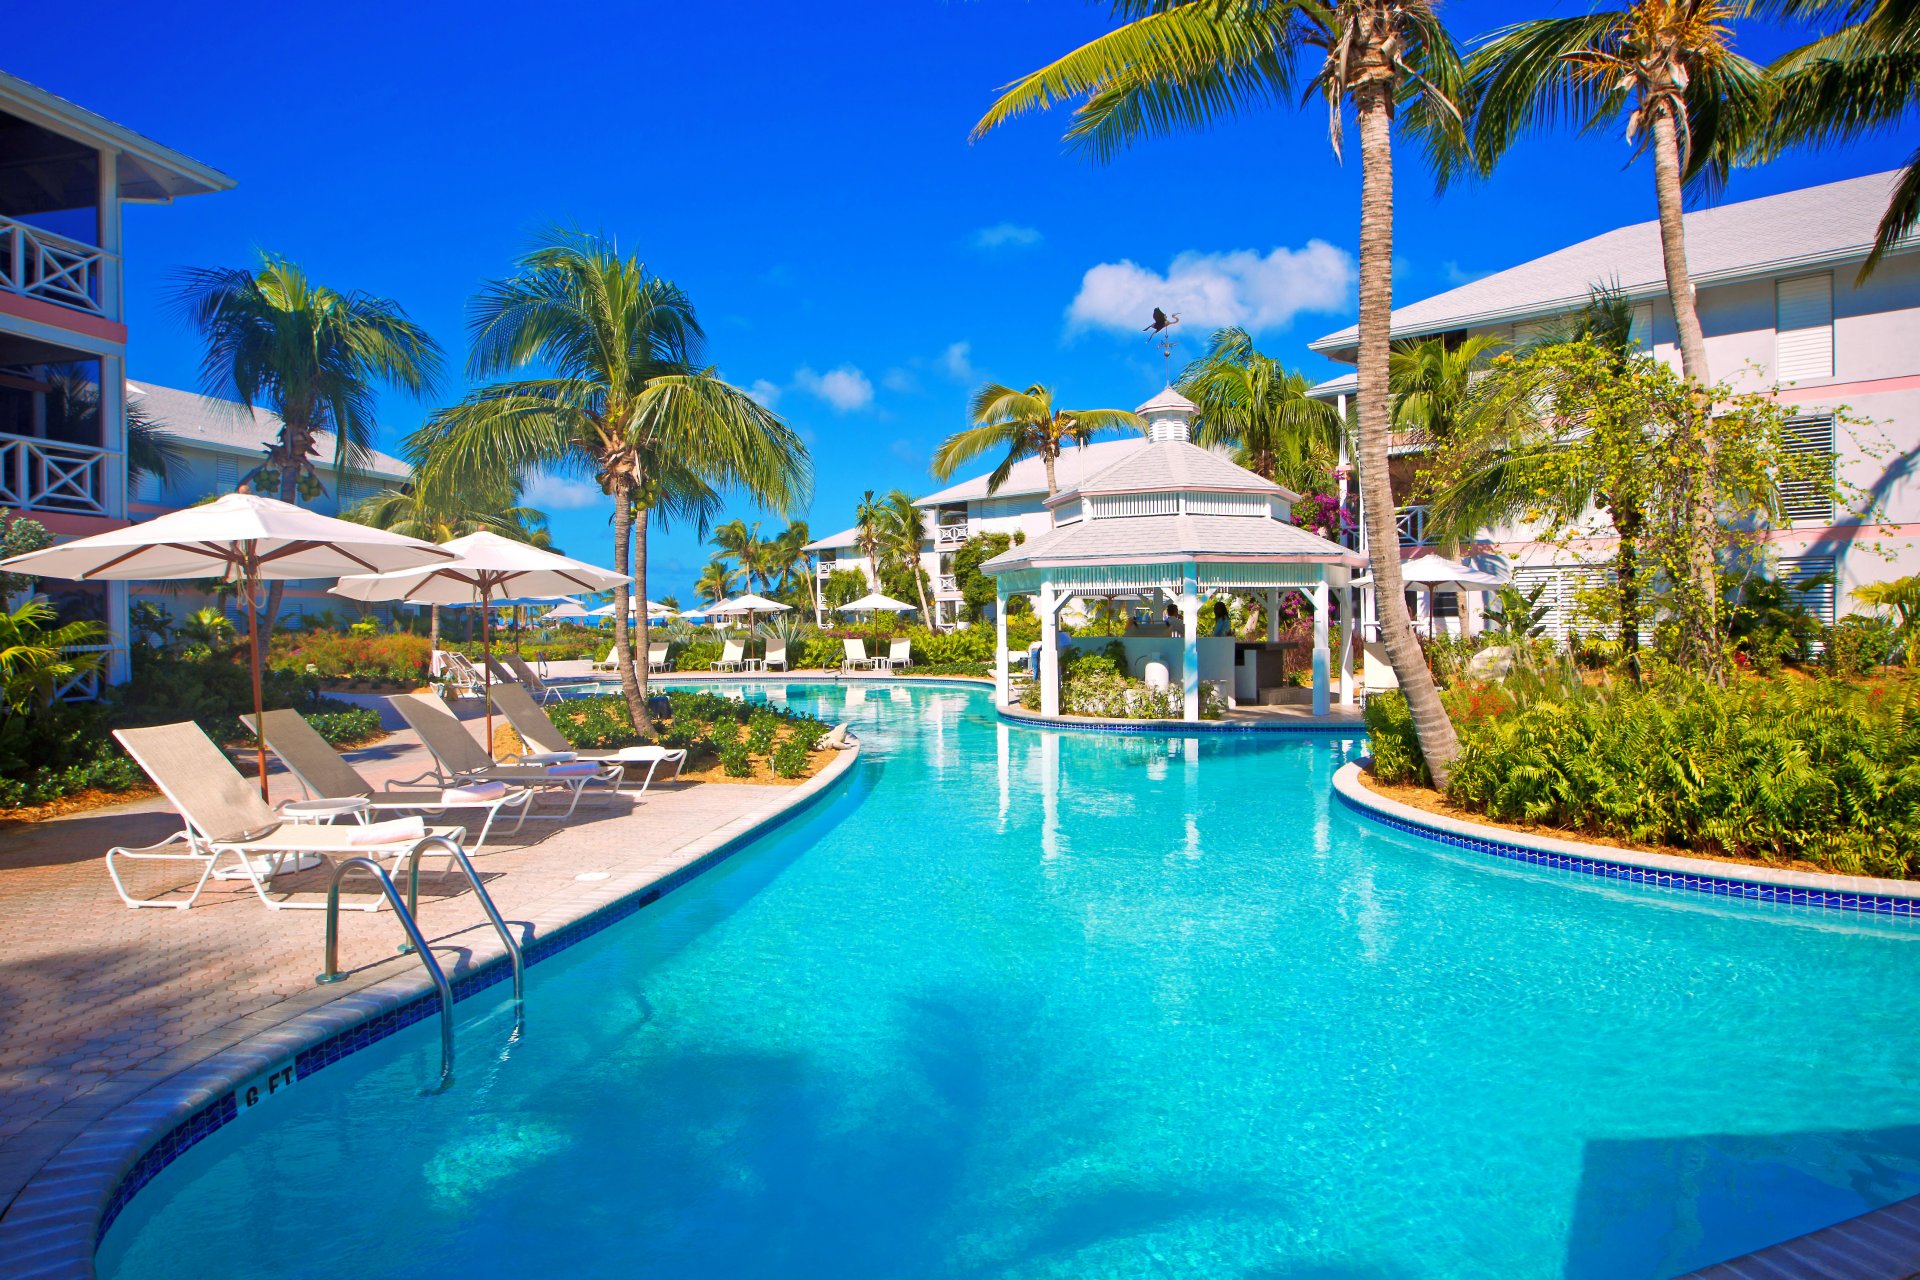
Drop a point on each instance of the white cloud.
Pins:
(767, 393)
(900, 380)
(1208, 290)
(1006, 235)
(957, 360)
(545, 491)
(845, 388)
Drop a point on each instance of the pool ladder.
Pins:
(408, 912)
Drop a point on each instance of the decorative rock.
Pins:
(1491, 663)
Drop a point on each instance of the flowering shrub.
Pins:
(331, 655)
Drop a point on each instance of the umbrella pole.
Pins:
(248, 585)
(486, 659)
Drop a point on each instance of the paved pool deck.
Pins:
(116, 1020)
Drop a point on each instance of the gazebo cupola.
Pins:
(1178, 520)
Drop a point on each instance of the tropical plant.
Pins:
(1518, 614)
(741, 542)
(313, 356)
(1250, 401)
(716, 582)
(977, 591)
(1902, 595)
(18, 536)
(1859, 77)
(438, 512)
(209, 627)
(1025, 424)
(902, 533)
(1768, 620)
(150, 622)
(1175, 66)
(1433, 382)
(869, 532)
(37, 655)
(628, 400)
(787, 561)
(842, 586)
(1668, 68)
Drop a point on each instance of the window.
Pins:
(1640, 334)
(147, 487)
(1809, 500)
(226, 474)
(1803, 328)
(1814, 580)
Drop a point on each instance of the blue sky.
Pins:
(804, 172)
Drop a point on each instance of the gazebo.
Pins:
(1177, 521)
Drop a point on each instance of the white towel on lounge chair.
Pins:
(573, 769)
(478, 793)
(394, 832)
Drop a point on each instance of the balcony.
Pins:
(949, 535)
(949, 586)
(45, 475)
(39, 264)
(1412, 524)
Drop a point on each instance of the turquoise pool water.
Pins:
(1031, 1004)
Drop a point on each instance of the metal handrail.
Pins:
(486, 904)
(332, 971)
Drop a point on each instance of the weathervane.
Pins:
(1160, 332)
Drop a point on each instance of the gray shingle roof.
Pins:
(198, 419)
(1156, 538)
(1833, 222)
(1029, 476)
(1172, 464)
(844, 538)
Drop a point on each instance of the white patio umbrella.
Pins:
(571, 611)
(1437, 573)
(483, 565)
(242, 538)
(874, 602)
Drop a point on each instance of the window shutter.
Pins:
(1809, 500)
(1803, 328)
(1819, 597)
(226, 474)
(1641, 333)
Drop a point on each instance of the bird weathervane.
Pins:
(1160, 332)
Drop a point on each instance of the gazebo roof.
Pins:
(1156, 539)
(1173, 464)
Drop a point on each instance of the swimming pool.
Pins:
(1026, 1003)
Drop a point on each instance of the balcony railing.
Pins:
(949, 585)
(84, 687)
(46, 475)
(950, 535)
(40, 264)
(1412, 523)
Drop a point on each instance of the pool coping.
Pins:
(53, 1227)
(1865, 894)
(1096, 724)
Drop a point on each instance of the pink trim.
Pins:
(1867, 387)
(58, 317)
(73, 526)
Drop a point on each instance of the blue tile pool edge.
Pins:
(1692, 875)
(170, 1144)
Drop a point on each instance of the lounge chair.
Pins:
(499, 675)
(546, 744)
(605, 664)
(457, 676)
(323, 773)
(899, 655)
(732, 656)
(226, 818)
(776, 656)
(854, 656)
(459, 760)
(530, 680)
(657, 657)
(1376, 671)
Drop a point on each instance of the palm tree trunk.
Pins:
(641, 720)
(1373, 102)
(622, 642)
(1052, 488)
(1700, 621)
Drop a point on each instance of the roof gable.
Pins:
(1172, 464)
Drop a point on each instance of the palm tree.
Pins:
(742, 543)
(869, 532)
(437, 513)
(627, 400)
(312, 355)
(1026, 425)
(1862, 76)
(787, 556)
(1251, 401)
(903, 530)
(1184, 65)
(1667, 67)
(1433, 383)
(716, 581)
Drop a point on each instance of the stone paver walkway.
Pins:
(101, 1005)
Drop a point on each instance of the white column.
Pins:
(111, 285)
(1049, 650)
(1003, 662)
(813, 561)
(1190, 640)
(1273, 614)
(1349, 627)
(1321, 605)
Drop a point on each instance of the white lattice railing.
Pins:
(950, 535)
(1412, 524)
(84, 687)
(46, 475)
(949, 585)
(52, 268)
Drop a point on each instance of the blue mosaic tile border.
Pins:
(1718, 886)
(1181, 728)
(209, 1119)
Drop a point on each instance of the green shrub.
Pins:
(58, 751)
(698, 656)
(735, 759)
(1779, 769)
(1393, 742)
(820, 650)
(791, 757)
(761, 728)
(598, 723)
(1857, 645)
(398, 659)
(347, 728)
